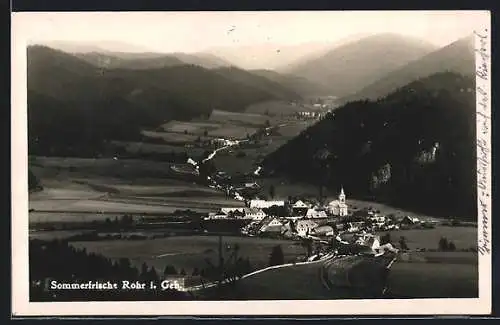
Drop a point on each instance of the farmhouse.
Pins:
(299, 209)
(269, 223)
(254, 214)
(323, 231)
(316, 214)
(407, 220)
(338, 207)
(227, 211)
(263, 204)
(215, 216)
(304, 227)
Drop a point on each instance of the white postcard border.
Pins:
(20, 272)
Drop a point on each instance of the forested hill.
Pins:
(414, 148)
(73, 104)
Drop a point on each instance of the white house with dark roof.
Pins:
(264, 204)
(316, 214)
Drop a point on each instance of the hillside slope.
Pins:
(72, 103)
(300, 85)
(456, 57)
(259, 82)
(414, 148)
(352, 66)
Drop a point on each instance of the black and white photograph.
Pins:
(240, 162)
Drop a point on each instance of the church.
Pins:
(338, 207)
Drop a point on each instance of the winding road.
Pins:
(343, 277)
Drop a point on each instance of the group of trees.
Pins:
(277, 257)
(59, 261)
(446, 245)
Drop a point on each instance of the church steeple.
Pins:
(342, 195)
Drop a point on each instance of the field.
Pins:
(189, 252)
(232, 132)
(220, 116)
(173, 137)
(273, 108)
(142, 147)
(95, 189)
(450, 274)
(462, 237)
(197, 128)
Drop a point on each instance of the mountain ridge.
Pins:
(353, 65)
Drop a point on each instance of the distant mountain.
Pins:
(95, 46)
(115, 55)
(259, 82)
(456, 57)
(73, 106)
(395, 150)
(117, 60)
(354, 65)
(300, 85)
(205, 60)
(267, 55)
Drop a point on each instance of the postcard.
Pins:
(251, 163)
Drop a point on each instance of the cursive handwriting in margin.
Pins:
(483, 117)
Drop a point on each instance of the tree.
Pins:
(402, 243)
(385, 239)
(33, 182)
(308, 245)
(195, 272)
(170, 270)
(276, 257)
(272, 191)
(451, 246)
(443, 244)
(183, 272)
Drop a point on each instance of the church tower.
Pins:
(342, 195)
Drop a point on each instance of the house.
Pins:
(409, 221)
(216, 216)
(269, 223)
(300, 205)
(354, 226)
(339, 207)
(299, 209)
(227, 211)
(304, 227)
(254, 214)
(369, 240)
(263, 204)
(323, 231)
(316, 214)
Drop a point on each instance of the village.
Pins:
(333, 223)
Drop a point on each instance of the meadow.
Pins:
(171, 137)
(189, 252)
(197, 128)
(249, 119)
(444, 279)
(463, 237)
(144, 147)
(95, 189)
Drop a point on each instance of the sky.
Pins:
(199, 31)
